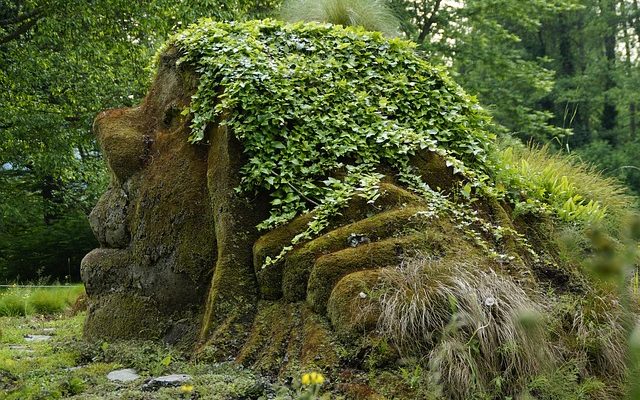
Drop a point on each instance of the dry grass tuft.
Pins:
(482, 333)
(373, 15)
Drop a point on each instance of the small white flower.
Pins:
(490, 302)
(362, 295)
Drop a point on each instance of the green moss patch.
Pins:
(124, 316)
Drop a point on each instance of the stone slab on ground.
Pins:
(37, 338)
(123, 375)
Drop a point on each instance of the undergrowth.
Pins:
(480, 332)
(534, 178)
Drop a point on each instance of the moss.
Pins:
(269, 245)
(357, 391)
(233, 294)
(379, 226)
(123, 316)
(286, 338)
(108, 218)
(351, 309)
(265, 349)
(122, 141)
(103, 269)
(434, 171)
(318, 349)
(330, 268)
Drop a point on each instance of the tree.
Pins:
(482, 42)
(60, 64)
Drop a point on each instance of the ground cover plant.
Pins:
(67, 367)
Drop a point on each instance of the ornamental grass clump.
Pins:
(475, 326)
(373, 15)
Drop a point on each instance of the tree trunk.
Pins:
(609, 110)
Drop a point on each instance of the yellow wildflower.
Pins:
(186, 388)
(313, 378)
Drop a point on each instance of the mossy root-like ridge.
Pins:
(329, 268)
(391, 197)
(299, 263)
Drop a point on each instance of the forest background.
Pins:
(561, 73)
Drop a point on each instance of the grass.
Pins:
(21, 301)
(573, 190)
(373, 15)
(473, 326)
(68, 367)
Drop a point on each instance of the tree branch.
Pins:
(24, 28)
(428, 24)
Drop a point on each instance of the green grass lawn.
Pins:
(26, 300)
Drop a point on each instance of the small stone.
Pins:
(489, 301)
(37, 338)
(123, 375)
(173, 380)
(362, 295)
(356, 239)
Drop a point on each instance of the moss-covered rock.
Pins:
(124, 316)
(398, 172)
(351, 309)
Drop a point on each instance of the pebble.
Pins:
(123, 375)
(37, 338)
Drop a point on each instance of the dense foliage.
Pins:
(308, 100)
(563, 72)
(60, 64)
